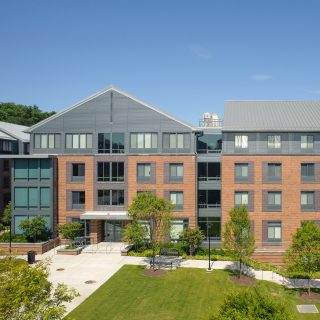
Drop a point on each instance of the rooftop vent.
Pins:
(210, 120)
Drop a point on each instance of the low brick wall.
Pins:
(23, 248)
(275, 258)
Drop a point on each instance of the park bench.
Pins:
(168, 257)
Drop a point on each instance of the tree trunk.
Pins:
(240, 268)
(191, 249)
(153, 255)
(309, 286)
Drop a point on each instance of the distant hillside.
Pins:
(21, 114)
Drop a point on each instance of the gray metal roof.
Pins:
(271, 116)
(15, 131)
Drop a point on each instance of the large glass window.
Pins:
(176, 198)
(144, 141)
(78, 200)
(117, 142)
(274, 172)
(177, 226)
(307, 200)
(17, 221)
(45, 168)
(209, 143)
(241, 142)
(241, 172)
(274, 200)
(274, 142)
(241, 198)
(26, 197)
(176, 172)
(44, 197)
(211, 227)
(21, 168)
(307, 142)
(78, 140)
(274, 231)
(104, 143)
(176, 140)
(307, 172)
(208, 171)
(110, 171)
(111, 142)
(209, 198)
(111, 197)
(143, 172)
(47, 140)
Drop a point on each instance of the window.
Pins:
(45, 168)
(143, 172)
(78, 172)
(177, 226)
(307, 200)
(274, 231)
(274, 172)
(306, 142)
(176, 141)
(241, 172)
(31, 169)
(26, 197)
(144, 141)
(209, 198)
(6, 165)
(241, 198)
(17, 221)
(6, 146)
(78, 200)
(209, 143)
(111, 142)
(110, 197)
(208, 171)
(110, 171)
(274, 142)
(78, 140)
(44, 197)
(176, 198)
(241, 142)
(274, 200)
(307, 172)
(46, 140)
(211, 227)
(176, 172)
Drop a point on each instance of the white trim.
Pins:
(110, 88)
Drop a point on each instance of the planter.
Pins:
(70, 252)
(23, 248)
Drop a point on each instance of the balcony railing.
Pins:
(210, 123)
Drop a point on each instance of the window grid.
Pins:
(143, 140)
(78, 140)
(47, 140)
(307, 142)
(241, 142)
(110, 197)
(110, 171)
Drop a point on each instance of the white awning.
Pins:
(105, 215)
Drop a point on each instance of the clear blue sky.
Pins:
(186, 57)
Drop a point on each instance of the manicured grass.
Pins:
(181, 294)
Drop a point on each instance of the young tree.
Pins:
(6, 217)
(304, 253)
(26, 293)
(192, 238)
(156, 211)
(136, 234)
(35, 229)
(238, 239)
(71, 230)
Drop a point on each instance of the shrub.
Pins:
(253, 304)
(71, 230)
(1, 227)
(35, 229)
(136, 234)
(20, 238)
(192, 238)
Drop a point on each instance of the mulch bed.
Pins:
(154, 273)
(314, 296)
(244, 280)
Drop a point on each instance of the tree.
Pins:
(26, 293)
(71, 230)
(6, 216)
(238, 239)
(135, 234)
(253, 304)
(22, 114)
(35, 229)
(304, 253)
(192, 238)
(156, 211)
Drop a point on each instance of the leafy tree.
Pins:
(22, 114)
(6, 216)
(35, 229)
(192, 238)
(71, 230)
(156, 211)
(26, 293)
(238, 239)
(135, 234)
(253, 304)
(304, 253)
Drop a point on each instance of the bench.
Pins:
(167, 258)
(126, 249)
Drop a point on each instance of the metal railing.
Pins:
(210, 123)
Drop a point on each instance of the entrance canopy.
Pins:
(105, 215)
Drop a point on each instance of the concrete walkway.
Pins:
(100, 265)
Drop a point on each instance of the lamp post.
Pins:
(208, 236)
(10, 239)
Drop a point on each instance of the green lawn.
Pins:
(181, 294)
